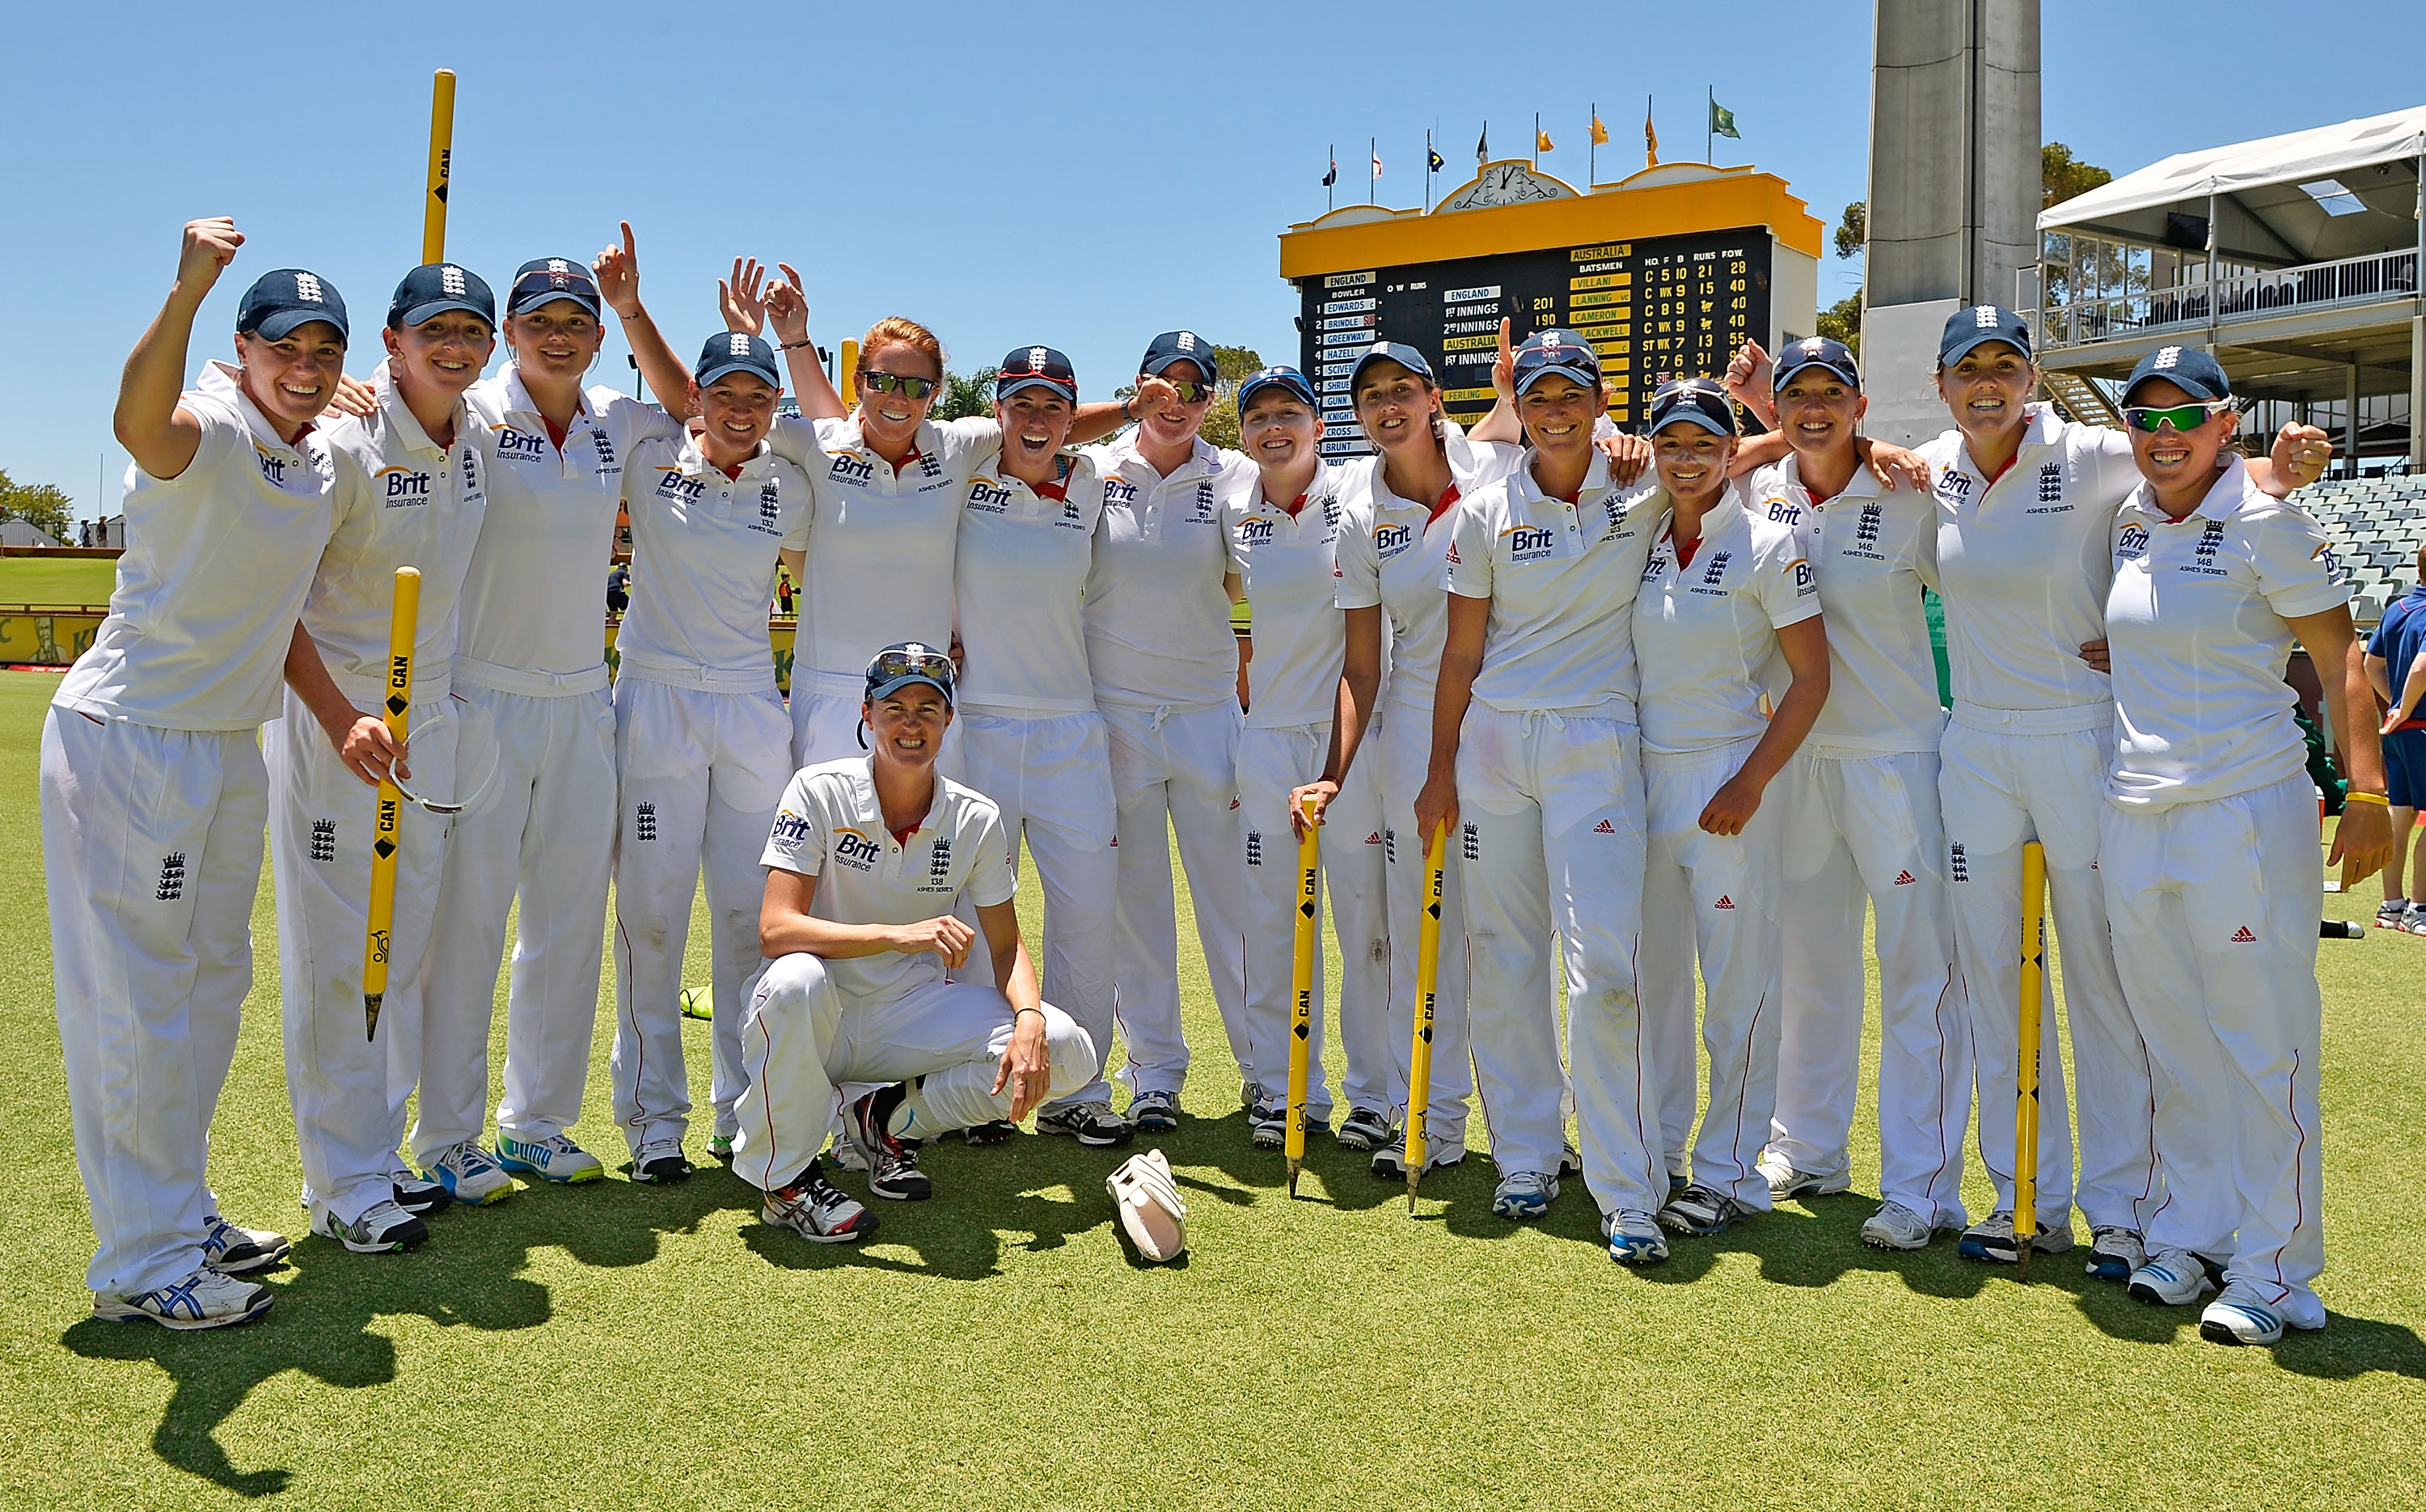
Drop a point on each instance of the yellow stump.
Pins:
(1419, 1053)
(846, 371)
(1309, 883)
(2026, 1091)
(442, 151)
(400, 622)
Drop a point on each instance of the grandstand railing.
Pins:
(2377, 278)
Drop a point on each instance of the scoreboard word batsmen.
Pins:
(1655, 308)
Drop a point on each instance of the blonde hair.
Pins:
(900, 330)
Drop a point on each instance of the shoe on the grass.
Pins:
(418, 1195)
(992, 1132)
(1676, 1184)
(2391, 915)
(555, 1158)
(2238, 1317)
(1785, 1181)
(1991, 1239)
(208, 1299)
(719, 1147)
(1896, 1226)
(384, 1228)
(234, 1252)
(1571, 1161)
(2414, 921)
(2175, 1278)
(1092, 1124)
(891, 1160)
(1155, 1112)
(661, 1162)
(1524, 1196)
(1702, 1210)
(1364, 1129)
(1251, 1094)
(1268, 1125)
(2115, 1252)
(1439, 1155)
(1634, 1237)
(817, 1210)
(470, 1174)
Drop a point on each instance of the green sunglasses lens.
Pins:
(910, 388)
(2180, 416)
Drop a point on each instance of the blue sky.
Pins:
(1081, 175)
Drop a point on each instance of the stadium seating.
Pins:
(2376, 524)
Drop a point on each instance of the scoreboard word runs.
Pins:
(1654, 308)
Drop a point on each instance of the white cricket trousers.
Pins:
(803, 1039)
(2000, 788)
(1402, 746)
(2214, 907)
(150, 857)
(1713, 897)
(1051, 776)
(1864, 826)
(545, 838)
(1550, 834)
(1271, 763)
(1174, 769)
(701, 765)
(350, 1092)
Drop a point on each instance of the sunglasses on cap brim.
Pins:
(894, 664)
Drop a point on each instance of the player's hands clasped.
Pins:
(946, 937)
(1027, 1067)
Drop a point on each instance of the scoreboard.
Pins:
(1654, 308)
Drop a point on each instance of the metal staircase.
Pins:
(2081, 400)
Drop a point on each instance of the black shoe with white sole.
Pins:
(660, 1163)
(992, 1132)
(234, 1252)
(1364, 1129)
(418, 1196)
(1092, 1124)
(1391, 1159)
(892, 1161)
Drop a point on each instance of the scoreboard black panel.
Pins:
(1655, 308)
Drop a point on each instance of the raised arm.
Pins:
(787, 310)
(157, 431)
(618, 271)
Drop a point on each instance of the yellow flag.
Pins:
(1542, 140)
(1600, 133)
(1650, 140)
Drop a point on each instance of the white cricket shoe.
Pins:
(384, 1228)
(1992, 1239)
(1896, 1226)
(1153, 1214)
(2175, 1278)
(1634, 1237)
(817, 1210)
(205, 1300)
(1785, 1181)
(234, 1252)
(2114, 1252)
(555, 1158)
(2238, 1317)
(470, 1174)
(1523, 1195)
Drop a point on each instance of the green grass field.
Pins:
(57, 580)
(613, 1345)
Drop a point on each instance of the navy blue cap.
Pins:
(1545, 353)
(1178, 347)
(736, 351)
(1698, 401)
(2190, 369)
(434, 288)
(547, 280)
(286, 297)
(1391, 351)
(905, 662)
(1276, 378)
(1035, 367)
(1816, 351)
(1968, 328)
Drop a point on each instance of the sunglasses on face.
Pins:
(2179, 416)
(1191, 393)
(909, 388)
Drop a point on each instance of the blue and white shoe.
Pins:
(2175, 1278)
(1154, 1111)
(1634, 1237)
(1524, 1196)
(205, 1300)
(2115, 1253)
(234, 1252)
(2238, 1317)
(1702, 1210)
(470, 1174)
(555, 1158)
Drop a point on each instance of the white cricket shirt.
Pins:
(402, 501)
(2196, 617)
(1289, 567)
(1561, 579)
(704, 551)
(1157, 619)
(1020, 580)
(2022, 563)
(216, 563)
(534, 599)
(1392, 553)
(1873, 552)
(830, 827)
(1707, 630)
(882, 570)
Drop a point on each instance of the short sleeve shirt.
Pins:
(1707, 630)
(704, 549)
(1021, 585)
(2397, 639)
(2196, 619)
(830, 827)
(1289, 567)
(1158, 619)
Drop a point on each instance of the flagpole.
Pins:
(1428, 172)
(1709, 121)
(1537, 138)
(1372, 155)
(1592, 150)
(1330, 179)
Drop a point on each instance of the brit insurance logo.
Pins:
(1256, 531)
(1529, 543)
(273, 467)
(988, 498)
(855, 850)
(2132, 545)
(519, 446)
(676, 487)
(1389, 540)
(1119, 490)
(855, 470)
(789, 831)
(401, 488)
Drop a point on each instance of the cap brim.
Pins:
(1783, 374)
(1582, 374)
(1005, 388)
(435, 307)
(540, 301)
(1249, 397)
(284, 323)
(2198, 392)
(1155, 366)
(1973, 343)
(709, 375)
(1693, 416)
(1367, 359)
(886, 690)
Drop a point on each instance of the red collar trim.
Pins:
(1448, 501)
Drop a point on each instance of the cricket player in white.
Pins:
(1282, 522)
(531, 658)
(2024, 506)
(1860, 816)
(702, 747)
(1727, 617)
(412, 492)
(1166, 669)
(867, 859)
(2209, 847)
(153, 793)
(1028, 735)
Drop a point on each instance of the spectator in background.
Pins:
(783, 590)
(618, 587)
(84, 533)
(2393, 657)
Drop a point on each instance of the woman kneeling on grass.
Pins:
(867, 858)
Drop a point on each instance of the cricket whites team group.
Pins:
(1595, 662)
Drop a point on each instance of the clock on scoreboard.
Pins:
(1655, 308)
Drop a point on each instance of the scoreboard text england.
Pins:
(1655, 308)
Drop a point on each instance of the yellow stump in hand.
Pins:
(1309, 884)
(1419, 1053)
(400, 622)
(2026, 1091)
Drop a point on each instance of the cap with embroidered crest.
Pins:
(1035, 367)
(1698, 401)
(434, 288)
(1390, 351)
(1978, 325)
(2191, 369)
(546, 279)
(1178, 347)
(736, 351)
(905, 662)
(1276, 377)
(1565, 352)
(1816, 351)
(284, 299)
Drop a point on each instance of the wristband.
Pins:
(795, 346)
(1039, 1012)
(2354, 795)
(1125, 413)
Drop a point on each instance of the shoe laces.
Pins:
(386, 1209)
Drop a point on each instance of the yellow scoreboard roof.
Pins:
(1666, 200)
